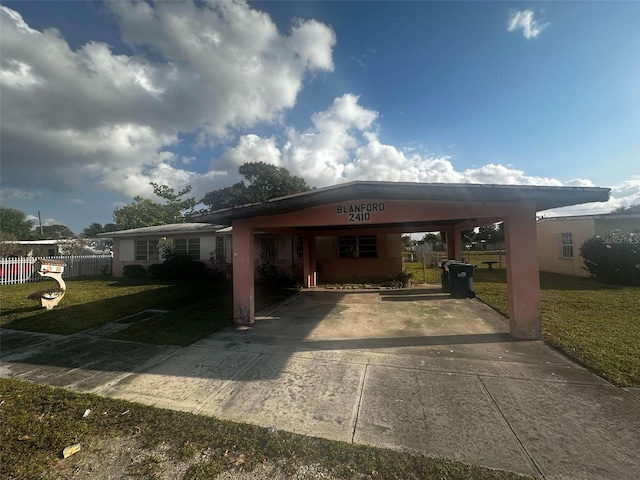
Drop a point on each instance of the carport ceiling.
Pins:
(543, 198)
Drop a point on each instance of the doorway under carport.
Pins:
(362, 208)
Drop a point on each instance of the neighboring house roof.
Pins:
(34, 242)
(543, 198)
(604, 216)
(169, 229)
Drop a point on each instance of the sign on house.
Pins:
(359, 212)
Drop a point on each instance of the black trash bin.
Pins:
(461, 278)
(444, 277)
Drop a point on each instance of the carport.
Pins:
(360, 208)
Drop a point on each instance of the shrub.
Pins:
(155, 270)
(134, 271)
(179, 267)
(613, 258)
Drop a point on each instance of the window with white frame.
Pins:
(147, 250)
(187, 246)
(566, 245)
(220, 253)
(358, 246)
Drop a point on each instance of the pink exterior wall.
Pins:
(356, 270)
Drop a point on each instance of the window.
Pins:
(187, 246)
(566, 245)
(358, 246)
(300, 247)
(220, 248)
(147, 250)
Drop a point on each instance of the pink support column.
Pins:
(457, 244)
(451, 247)
(454, 244)
(523, 276)
(243, 275)
(310, 274)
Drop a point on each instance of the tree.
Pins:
(407, 242)
(630, 210)
(14, 222)
(613, 258)
(492, 233)
(147, 213)
(430, 238)
(72, 246)
(264, 182)
(7, 247)
(468, 235)
(54, 232)
(95, 228)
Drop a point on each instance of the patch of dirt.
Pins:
(123, 458)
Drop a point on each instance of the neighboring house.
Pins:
(143, 246)
(560, 238)
(34, 248)
(339, 258)
(54, 248)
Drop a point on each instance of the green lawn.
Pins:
(196, 309)
(596, 325)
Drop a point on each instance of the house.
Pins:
(380, 254)
(143, 246)
(350, 230)
(560, 238)
(34, 248)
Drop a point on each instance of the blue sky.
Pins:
(99, 99)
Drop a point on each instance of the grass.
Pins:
(39, 421)
(196, 309)
(596, 325)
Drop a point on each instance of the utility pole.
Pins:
(40, 223)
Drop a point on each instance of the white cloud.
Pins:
(525, 21)
(92, 115)
(250, 148)
(343, 145)
(18, 194)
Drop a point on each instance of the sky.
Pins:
(99, 99)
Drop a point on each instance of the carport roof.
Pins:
(542, 197)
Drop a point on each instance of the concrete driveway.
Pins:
(406, 369)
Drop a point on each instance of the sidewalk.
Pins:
(413, 370)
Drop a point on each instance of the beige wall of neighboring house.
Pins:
(560, 238)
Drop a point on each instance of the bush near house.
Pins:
(134, 271)
(613, 258)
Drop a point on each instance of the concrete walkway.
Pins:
(410, 369)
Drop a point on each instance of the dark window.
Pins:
(358, 246)
(300, 247)
(146, 249)
(187, 246)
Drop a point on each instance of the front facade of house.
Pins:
(343, 258)
(560, 238)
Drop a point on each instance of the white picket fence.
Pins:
(21, 269)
